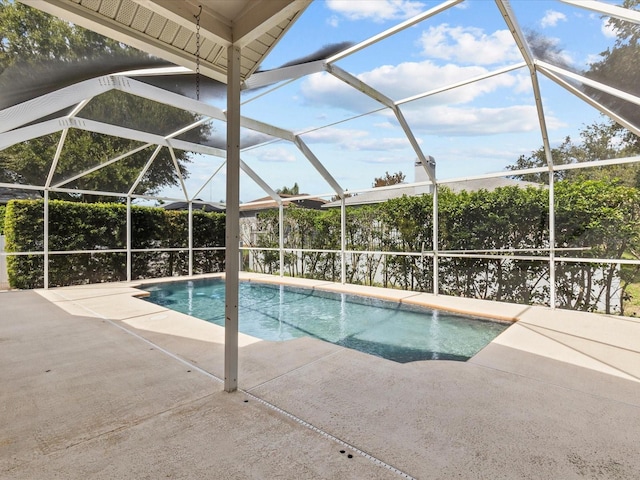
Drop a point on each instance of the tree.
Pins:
(563, 154)
(603, 218)
(295, 190)
(617, 67)
(599, 141)
(34, 46)
(389, 179)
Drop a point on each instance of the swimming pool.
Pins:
(391, 330)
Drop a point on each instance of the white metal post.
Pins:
(129, 238)
(281, 237)
(552, 241)
(190, 238)
(343, 241)
(436, 263)
(46, 238)
(232, 236)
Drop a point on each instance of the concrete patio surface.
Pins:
(99, 384)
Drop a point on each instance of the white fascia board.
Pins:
(621, 13)
(359, 85)
(392, 31)
(32, 131)
(32, 110)
(260, 182)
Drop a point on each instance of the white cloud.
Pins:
(334, 135)
(385, 159)
(385, 125)
(402, 81)
(333, 21)
(276, 155)
(551, 18)
(376, 10)
(356, 140)
(471, 121)
(608, 30)
(593, 58)
(469, 45)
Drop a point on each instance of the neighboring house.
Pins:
(252, 208)
(382, 194)
(249, 213)
(197, 205)
(249, 232)
(7, 194)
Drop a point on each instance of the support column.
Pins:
(552, 240)
(232, 231)
(190, 238)
(46, 238)
(128, 239)
(281, 237)
(343, 241)
(436, 260)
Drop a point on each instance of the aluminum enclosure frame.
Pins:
(20, 123)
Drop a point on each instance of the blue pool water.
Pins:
(387, 329)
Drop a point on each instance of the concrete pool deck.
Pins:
(99, 384)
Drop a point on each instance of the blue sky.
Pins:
(472, 130)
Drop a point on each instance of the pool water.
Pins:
(394, 331)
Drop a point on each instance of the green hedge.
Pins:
(79, 226)
(597, 219)
(3, 209)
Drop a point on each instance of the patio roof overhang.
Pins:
(168, 28)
